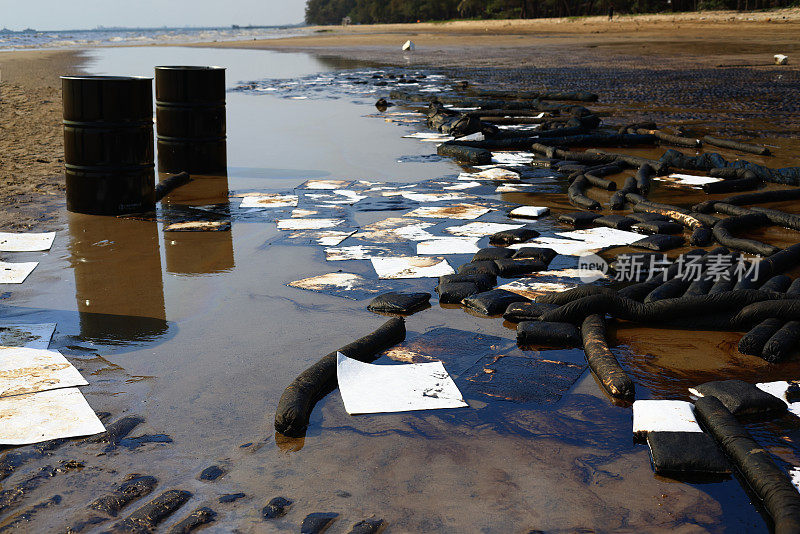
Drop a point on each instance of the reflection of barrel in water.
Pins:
(194, 253)
(118, 282)
(199, 252)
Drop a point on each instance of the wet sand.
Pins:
(682, 39)
(205, 341)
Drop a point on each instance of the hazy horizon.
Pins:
(54, 15)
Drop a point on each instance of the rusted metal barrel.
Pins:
(108, 144)
(190, 119)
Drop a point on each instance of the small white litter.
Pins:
(32, 336)
(456, 211)
(357, 252)
(663, 416)
(448, 245)
(688, 179)
(46, 415)
(24, 370)
(781, 59)
(308, 224)
(326, 238)
(480, 229)
(409, 46)
(368, 388)
(16, 273)
(411, 267)
(269, 201)
(11, 242)
(528, 212)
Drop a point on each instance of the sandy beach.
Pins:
(32, 136)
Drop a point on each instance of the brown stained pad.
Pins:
(198, 226)
(15, 337)
(38, 378)
(395, 230)
(456, 211)
(457, 349)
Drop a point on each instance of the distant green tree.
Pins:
(385, 11)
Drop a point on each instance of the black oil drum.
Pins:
(190, 118)
(108, 144)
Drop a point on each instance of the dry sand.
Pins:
(31, 138)
(701, 38)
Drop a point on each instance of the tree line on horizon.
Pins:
(327, 12)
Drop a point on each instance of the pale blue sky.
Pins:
(88, 14)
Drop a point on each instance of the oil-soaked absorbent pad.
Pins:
(448, 245)
(199, 226)
(16, 273)
(492, 174)
(46, 415)
(368, 388)
(24, 370)
(11, 242)
(529, 212)
(325, 184)
(411, 267)
(685, 454)
(346, 285)
(326, 238)
(663, 416)
(455, 211)
(522, 380)
(778, 389)
(32, 336)
(358, 252)
(308, 224)
(269, 201)
(480, 229)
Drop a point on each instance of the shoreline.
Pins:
(30, 107)
(706, 38)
